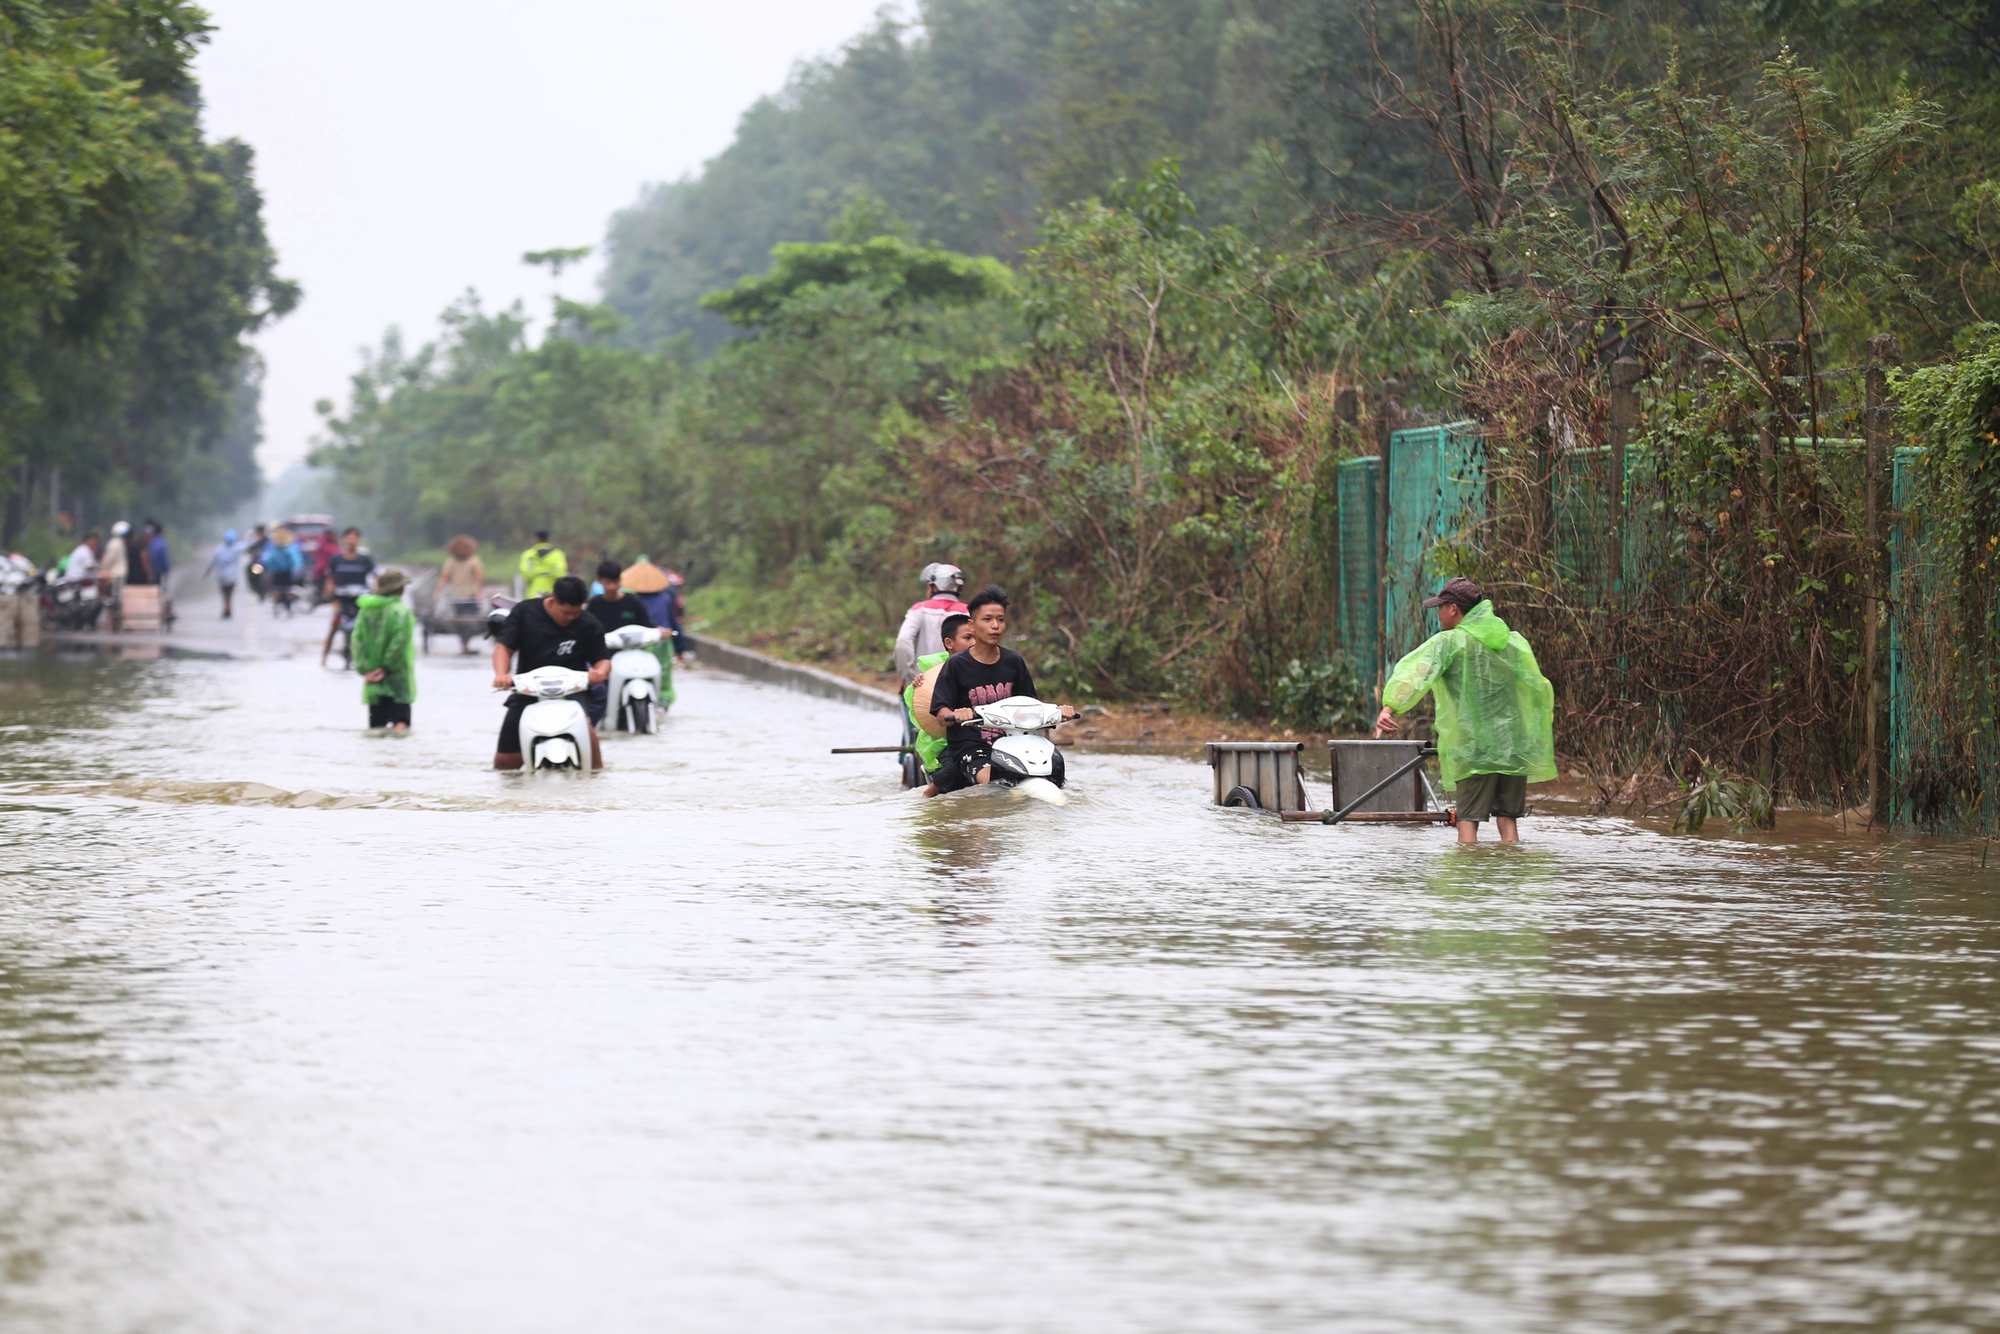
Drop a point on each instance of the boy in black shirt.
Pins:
(984, 674)
(347, 578)
(547, 632)
(613, 609)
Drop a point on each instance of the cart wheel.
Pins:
(1243, 797)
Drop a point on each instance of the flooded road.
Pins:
(303, 1029)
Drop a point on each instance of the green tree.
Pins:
(142, 265)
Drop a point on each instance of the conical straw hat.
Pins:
(921, 697)
(645, 577)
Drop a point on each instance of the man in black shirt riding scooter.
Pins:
(984, 674)
(552, 631)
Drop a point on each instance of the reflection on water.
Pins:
(306, 1029)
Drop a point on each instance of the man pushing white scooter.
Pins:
(547, 632)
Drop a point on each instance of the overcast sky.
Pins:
(410, 150)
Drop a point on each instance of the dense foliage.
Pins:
(1226, 246)
(132, 264)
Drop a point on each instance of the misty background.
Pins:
(409, 152)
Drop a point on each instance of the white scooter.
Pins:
(1023, 757)
(555, 731)
(632, 697)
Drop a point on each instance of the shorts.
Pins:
(387, 711)
(595, 701)
(960, 766)
(1483, 796)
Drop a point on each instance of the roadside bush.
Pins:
(1325, 696)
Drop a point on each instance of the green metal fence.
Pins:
(1437, 497)
(1395, 548)
(1359, 485)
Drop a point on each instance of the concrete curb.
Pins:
(791, 675)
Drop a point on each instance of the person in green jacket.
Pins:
(541, 565)
(956, 631)
(384, 645)
(1495, 709)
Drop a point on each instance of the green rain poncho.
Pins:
(929, 748)
(1495, 709)
(385, 636)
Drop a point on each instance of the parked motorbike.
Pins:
(73, 604)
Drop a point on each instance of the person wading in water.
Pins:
(1495, 709)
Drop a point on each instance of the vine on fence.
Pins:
(1947, 622)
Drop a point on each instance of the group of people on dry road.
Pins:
(124, 558)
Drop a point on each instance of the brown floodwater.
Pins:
(304, 1029)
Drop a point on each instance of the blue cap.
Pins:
(229, 534)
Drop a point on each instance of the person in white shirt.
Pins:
(83, 561)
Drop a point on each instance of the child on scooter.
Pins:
(986, 673)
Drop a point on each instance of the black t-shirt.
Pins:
(350, 572)
(627, 610)
(538, 641)
(965, 682)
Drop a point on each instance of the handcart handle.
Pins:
(1332, 818)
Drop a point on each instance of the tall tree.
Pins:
(143, 264)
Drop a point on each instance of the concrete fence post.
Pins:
(1388, 414)
(1626, 372)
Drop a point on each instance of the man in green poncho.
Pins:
(1495, 709)
(384, 645)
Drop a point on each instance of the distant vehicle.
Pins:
(319, 538)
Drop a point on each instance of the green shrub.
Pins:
(1328, 696)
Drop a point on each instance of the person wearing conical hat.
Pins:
(462, 581)
(659, 590)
